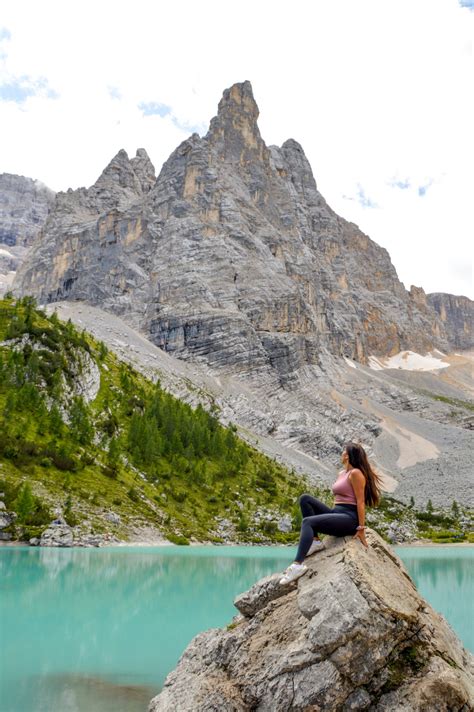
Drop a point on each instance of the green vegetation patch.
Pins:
(135, 449)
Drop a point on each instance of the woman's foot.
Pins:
(317, 545)
(293, 572)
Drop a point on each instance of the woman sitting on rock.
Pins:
(357, 485)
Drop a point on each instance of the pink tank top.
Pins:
(343, 490)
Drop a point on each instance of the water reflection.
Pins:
(445, 577)
(78, 693)
(108, 625)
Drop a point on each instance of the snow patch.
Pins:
(349, 362)
(408, 361)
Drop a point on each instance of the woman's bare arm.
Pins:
(357, 481)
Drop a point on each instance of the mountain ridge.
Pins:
(227, 206)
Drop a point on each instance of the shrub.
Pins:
(133, 494)
(178, 539)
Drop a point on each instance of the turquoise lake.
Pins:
(97, 630)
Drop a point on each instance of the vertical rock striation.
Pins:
(24, 205)
(457, 316)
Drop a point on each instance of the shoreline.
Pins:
(418, 543)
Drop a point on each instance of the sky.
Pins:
(379, 94)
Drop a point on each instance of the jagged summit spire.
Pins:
(239, 99)
(234, 130)
(144, 169)
(137, 174)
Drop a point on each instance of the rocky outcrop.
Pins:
(24, 205)
(352, 634)
(233, 238)
(457, 315)
(6, 519)
(57, 534)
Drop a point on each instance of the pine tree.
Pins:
(412, 502)
(80, 423)
(429, 507)
(455, 508)
(113, 455)
(24, 504)
(55, 421)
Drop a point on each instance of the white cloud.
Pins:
(375, 91)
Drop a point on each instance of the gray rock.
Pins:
(358, 700)
(285, 524)
(457, 315)
(58, 534)
(24, 206)
(261, 593)
(89, 540)
(112, 517)
(329, 642)
(34, 541)
(2, 506)
(7, 518)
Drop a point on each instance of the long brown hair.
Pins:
(358, 459)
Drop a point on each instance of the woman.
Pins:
(357, 485)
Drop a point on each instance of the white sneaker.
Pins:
(317, 545)
(293, 572)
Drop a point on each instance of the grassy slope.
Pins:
(182, 494)
(175, 482)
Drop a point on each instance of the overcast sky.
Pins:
(379, 93)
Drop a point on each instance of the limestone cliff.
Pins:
(24, 205)
(457, 315)
(352, 634)
(233, 238)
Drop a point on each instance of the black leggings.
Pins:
(320, 519)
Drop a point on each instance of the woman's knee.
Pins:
(304, 499)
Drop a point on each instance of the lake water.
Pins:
(97, 630)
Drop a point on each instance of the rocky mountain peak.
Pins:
(238, 99)
(232, 238)
(301, 171)
(144, 169)
(119, 172)
(235, 130)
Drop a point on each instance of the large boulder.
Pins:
(57, 534)
(6, 518)
(352, 634)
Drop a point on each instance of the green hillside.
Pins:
(133, 449)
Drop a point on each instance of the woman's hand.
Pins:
(360, 534)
